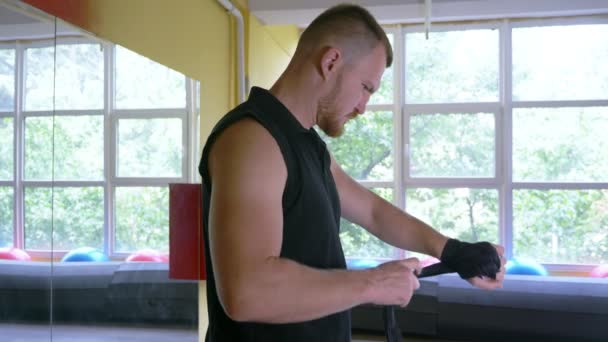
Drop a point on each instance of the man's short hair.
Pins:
(349, 27)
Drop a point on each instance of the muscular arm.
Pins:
(248, 177)
(384, 220)
(397, 227)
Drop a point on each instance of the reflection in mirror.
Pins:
(91, 135)
(25, 274)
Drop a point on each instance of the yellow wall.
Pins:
(270, 49)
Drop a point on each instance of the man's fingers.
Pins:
(500, 249)
(413, 264)
(486, 283)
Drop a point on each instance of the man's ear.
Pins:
(331, 58)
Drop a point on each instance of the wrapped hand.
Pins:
(471, 260)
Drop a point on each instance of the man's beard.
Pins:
(330, 125)
(327, 120)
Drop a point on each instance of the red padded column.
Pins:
(186, 245)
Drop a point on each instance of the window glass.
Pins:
(70, 217)
(560, 144)
(365, 149)
(142, 83)
(462, 213)
(142, 218)
(6, 149)
(149, 148)
(561, 226)
(384, 94)
(7, 80)
(455, 66)
(560, 63)
(64, 148)
(452, 145)
(6, 216)
(39, 78)
(75, 81)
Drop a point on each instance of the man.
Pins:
(273, 198)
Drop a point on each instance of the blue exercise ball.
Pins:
(525, 267)
(361, 263)
(84, 254)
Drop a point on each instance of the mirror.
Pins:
(91, 135)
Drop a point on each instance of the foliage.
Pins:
(63, 218)
(466, 214)
(561, 226)
(7, 79)
(357, 156)
(142, 218)
(6, 216)
(142, 83)
(560, 144)
(64, 148)
(149, 148)
(452, 145)
(6, 149)
(451, 66)
(549, 144)
(70, 147)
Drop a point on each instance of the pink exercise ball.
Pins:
(428, 261)
(147, 255)
(600, 271)
(11, 253)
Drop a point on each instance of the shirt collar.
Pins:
(269, 104)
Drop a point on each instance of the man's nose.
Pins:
(360, 108)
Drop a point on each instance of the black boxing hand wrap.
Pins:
(471, 260)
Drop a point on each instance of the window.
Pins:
(100, 132)
(491, 131)
(7, 145)
(451, 109)
(559, 116)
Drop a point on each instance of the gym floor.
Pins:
(98, 333)
(10, 332)
(376, 338)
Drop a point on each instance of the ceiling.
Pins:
(294, 4)
(21, 21)
(301, 13)
(11, 17)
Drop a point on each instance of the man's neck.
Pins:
(299, 96)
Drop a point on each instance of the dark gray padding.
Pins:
(143, 292)
(527, 308)
(87, 292)
(555, 308)
(24, 291)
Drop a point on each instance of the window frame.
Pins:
(13, 115)
(111, 116)
(502, 181)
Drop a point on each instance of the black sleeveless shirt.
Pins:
(311, 222)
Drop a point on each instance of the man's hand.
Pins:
(489, 283)
(481, 263)
(394, 282)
